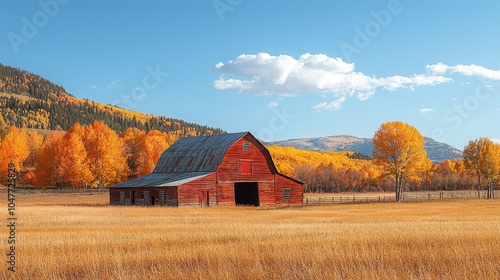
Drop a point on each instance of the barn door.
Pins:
(204, 198)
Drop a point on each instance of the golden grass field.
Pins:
(80, 237)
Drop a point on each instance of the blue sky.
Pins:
(280, 69)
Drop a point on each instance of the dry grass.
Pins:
(455, 239)
(35, 198)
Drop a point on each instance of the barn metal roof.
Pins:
(196, 154)
(162, 180)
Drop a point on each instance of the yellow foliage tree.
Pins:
(472, 159)
(399, 149)
(490, 164)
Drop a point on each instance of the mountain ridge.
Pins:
(436, 151)
(28, 100)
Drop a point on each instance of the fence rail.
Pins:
(408, 197)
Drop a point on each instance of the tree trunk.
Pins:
(489, 194)
(478, 185)
(397, 187)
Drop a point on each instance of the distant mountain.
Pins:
(28, 100)
(436, 151)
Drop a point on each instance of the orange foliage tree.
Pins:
(47, 167)
(131, 139)
(35, 141)
(151, 146)
(72, 159)
(106, 159)
(143, 150)
(13, 149)
(399, 149)
(449, 175)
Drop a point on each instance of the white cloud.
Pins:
(113, 84)
(92, 86)
(332, 106)
(272, 104)
(427, 110)
(468, 70)
(496, 141)
(266, 74)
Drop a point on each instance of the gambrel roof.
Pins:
(196, 154)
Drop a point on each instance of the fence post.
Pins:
(353, 198)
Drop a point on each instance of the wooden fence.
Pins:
(446, 195)
(407, 197)
(347, 199)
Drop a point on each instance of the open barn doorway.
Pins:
(246, 193)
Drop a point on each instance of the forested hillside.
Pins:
(30, 101)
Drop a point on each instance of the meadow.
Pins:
(81, 237)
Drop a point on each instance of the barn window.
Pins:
(245, 167)
(146, 197)
(286, 194)
(246, 146)
(122, 197)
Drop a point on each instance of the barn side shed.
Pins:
(225, 169)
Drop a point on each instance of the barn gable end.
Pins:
(224, 169)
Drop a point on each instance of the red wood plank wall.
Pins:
(189, 193)
(296, 190)
(170, 196)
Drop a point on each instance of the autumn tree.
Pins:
(150, 149)
(13, 149)
(399, 149)
(472, 159)
(105, 155)
(132, 137)
(72, 160)
(490, 164)
(35, 141)
(46, 166)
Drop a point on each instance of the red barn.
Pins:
(225, 169)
